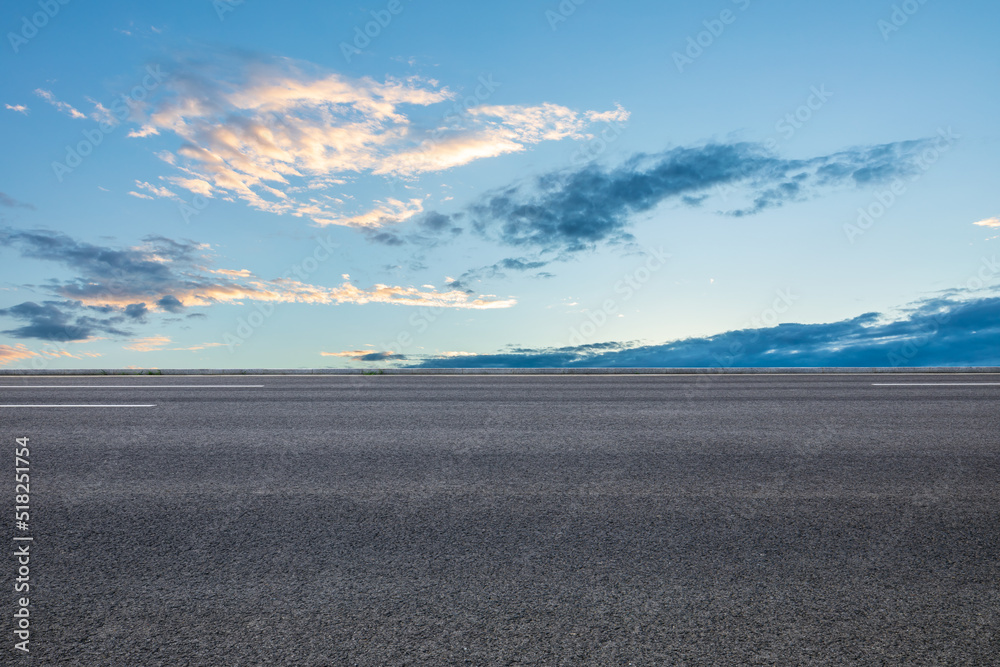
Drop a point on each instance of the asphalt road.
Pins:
(608, 520)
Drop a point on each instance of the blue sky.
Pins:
(242, 184)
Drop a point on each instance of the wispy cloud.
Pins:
(276, 133)
(159, 343)
(365, 355)
(150, 191)
(952, 329)
(61, 106)
(560, 213)
(390, 211)
(197, 347)
(64, 321)
(988, 222)
(148, 344)
(19, 108)
(117, 287)
(11, 353)
(10, 202)
(573, 210)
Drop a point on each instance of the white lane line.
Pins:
(64, 405)
(130, 386)
(936, 384)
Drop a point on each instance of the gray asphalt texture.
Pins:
(608, 520)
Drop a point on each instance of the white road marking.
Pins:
(130, 386)
(65, 405)
(936, 384)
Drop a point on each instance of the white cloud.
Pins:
(391, 211)
(61, 106)
(238, 286)
(988, 222)
(20, 352)
(19, 108)
(155, 190)
(148, 344)
(264, 132)
(101, 113)
(12, 353)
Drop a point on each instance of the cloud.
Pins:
(62, 321)
(952, 329)
(564, 212)
(148, 344)
(988, 222)
(116, 286)
(10, 202)
(269, 132)
(491, 131)
(390, 211)
(11, 353)
(19, 108)
(154, 190)
(195, 348)
(169, 303)
(61, 106)
(365, 355)
(573, 210)
(496, 271)
(519, 264)
(136, 311)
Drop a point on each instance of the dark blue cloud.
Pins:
(9, 202)
(940, 331)
(136, 311)
(132, 277)
(171, 304)
(61, 321)
(380, 356)
(569, 211)
(564, 212)
(110, 273)
(519, 264)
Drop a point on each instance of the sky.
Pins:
(231, 184)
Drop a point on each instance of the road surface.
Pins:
(508, 520)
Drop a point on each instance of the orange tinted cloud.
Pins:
(265, 132)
